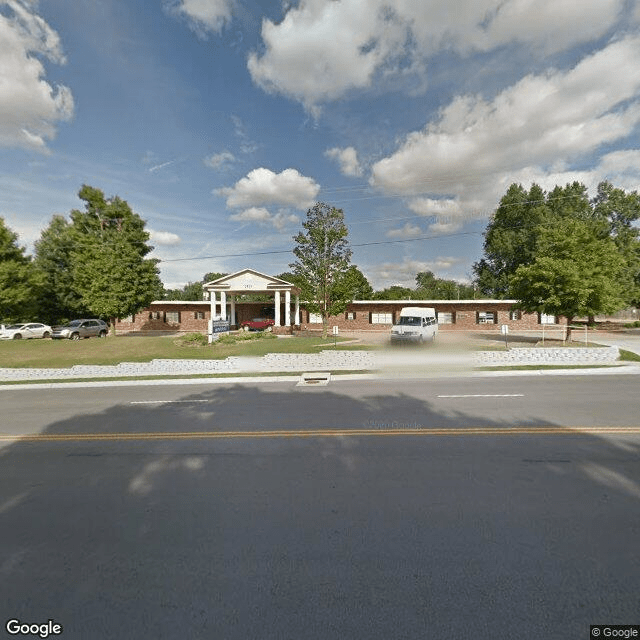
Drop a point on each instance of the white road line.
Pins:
(486, 395)
(166, 401)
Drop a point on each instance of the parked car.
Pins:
(84, 328)
(25, 330)
(258, 324)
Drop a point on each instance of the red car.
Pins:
(258, 324)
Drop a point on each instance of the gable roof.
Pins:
(248, 280)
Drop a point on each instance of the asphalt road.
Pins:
(486, 508)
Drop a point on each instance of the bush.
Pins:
(633, 325)
(194, 340)
(243, 336)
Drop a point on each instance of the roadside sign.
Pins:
(504, 329)
(335, 331)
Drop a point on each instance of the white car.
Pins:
(28, 330)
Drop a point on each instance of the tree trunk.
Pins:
(113, 327)
(569, 322)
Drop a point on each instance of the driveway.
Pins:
(629, 340)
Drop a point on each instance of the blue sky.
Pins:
(222, 121)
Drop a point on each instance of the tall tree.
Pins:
(323, 256)
(110, 270)
(575, 273)
(510, 239)
(621, 210)
(20, 283)
(53, 259)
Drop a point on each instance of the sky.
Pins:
(221, 122)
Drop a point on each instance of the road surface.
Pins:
(460, 508)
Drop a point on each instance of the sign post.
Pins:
(504, 329)
(335, 333)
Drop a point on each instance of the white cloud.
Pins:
(404, 273)
(164, 238)
(247, 145)
(30, 107)
(220, 160)
(476, 149)
(347, 159)
(261, 215)
(253, 214)
(264, 187)
(203, 15)
(321, 50)
(408, 231)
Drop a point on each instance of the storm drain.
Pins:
(317, 378)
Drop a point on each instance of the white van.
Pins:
(416, 324)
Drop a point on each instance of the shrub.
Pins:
(194, 340)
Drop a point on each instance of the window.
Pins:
(154, 315)
(382, 318)
(315, 318)
(127, 319)
(445, 317)
(351, 315)
(172, 317)
(547, 319)
(515, 315)
(198, 315)
(486, 317)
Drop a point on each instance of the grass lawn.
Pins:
(114, 350)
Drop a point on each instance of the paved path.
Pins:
(324, 361)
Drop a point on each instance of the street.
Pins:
(458, 508)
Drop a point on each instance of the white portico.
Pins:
(224, 291)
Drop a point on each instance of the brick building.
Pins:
(360, 315)
(233, 297)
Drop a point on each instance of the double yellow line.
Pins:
(323, 433)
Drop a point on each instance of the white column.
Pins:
(277, 309)
(223, 305)
(214, 304)
(296, 317)
(233, 310)
(287, 308)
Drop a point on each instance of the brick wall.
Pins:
(160, 316)
(465, 316)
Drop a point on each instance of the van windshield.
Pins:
(413, 321)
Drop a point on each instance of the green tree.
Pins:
(431, 288)
(395, 292)
(621, 210)
(110, 271)
(190, 291)
(510, 239)
(355, 284)
(574, 273)
(53, 260)
(323, 256)
(20, 283)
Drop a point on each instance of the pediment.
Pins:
(248, 280)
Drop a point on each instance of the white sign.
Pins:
(335, 331)
(504, 329)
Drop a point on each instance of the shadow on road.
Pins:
(324, 537)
